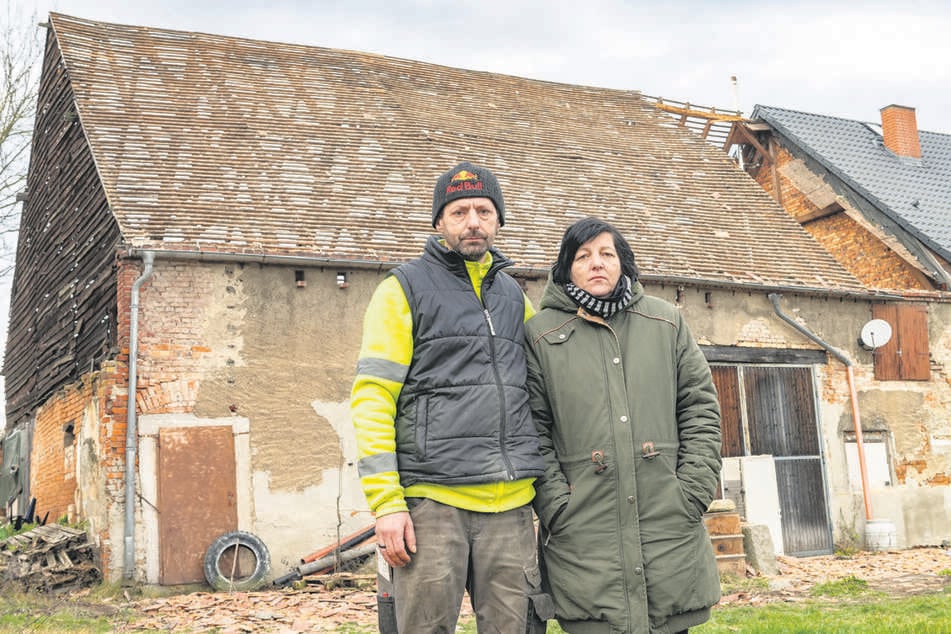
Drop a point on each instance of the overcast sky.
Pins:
(841, 58)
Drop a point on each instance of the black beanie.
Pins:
(466, 180)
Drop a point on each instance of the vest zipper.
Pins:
(488, 320)
(503, 416)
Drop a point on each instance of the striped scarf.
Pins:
(604, 307)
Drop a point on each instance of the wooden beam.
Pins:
(777, 185)
(742, 354)
(688, 111)
(742, 130)
(828, 210)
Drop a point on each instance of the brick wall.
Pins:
(63, 425)
(174, 351)
(869, 259)
(864, 254)
(53, 458)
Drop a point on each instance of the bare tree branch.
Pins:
(20, 48)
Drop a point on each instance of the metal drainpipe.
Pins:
(853, 396)
(131, 435)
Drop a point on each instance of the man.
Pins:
(447, 449)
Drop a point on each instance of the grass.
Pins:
(93, 610)
(44, 613)
(866, 613)
(7, 530)
(850, 586)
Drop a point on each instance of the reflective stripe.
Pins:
(383, 369)
(377, 463)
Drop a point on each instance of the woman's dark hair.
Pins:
(582, 231)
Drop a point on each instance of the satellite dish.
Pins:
(875, 334)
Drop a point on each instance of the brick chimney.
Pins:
(900, 130)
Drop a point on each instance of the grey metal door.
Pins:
(772, 410)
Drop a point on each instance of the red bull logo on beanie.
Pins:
(464, 175)
(463, 180)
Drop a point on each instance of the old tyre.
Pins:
(237, 561)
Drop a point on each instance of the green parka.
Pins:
(629, 426)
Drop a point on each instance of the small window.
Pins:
(69, 435)
(905, 357)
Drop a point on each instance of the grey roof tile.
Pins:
(227, 144)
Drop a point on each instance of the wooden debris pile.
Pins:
(49, 558)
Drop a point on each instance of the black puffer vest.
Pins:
(463, 415)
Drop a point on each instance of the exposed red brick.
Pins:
(862, 253)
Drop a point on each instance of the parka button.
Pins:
(616, 360)
(624, 419)
(630, 499)
(561, 336)
(638, 570)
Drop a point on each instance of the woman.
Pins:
(629, 426)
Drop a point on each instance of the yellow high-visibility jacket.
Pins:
(385, 357)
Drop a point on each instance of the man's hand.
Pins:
(396, 538)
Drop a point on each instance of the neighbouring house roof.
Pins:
(915, 193)
(213, 143)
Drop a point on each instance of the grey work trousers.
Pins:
(491, 554)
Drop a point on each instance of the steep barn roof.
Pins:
(213, 143)
(913, 192)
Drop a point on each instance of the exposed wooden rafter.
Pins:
(745, 133)
(712, 124)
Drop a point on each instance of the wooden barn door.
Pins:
(196, 498)
(770, 410)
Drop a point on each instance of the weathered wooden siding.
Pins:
(63, 300)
